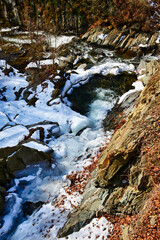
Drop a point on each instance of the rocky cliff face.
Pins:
(126, 169)
(128, 41)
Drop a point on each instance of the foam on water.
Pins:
(105, 100)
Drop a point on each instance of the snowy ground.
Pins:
(72, 152)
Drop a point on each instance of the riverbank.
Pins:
(127, 177)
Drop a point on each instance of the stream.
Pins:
(92, 87)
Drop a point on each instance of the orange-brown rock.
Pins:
(126, 142)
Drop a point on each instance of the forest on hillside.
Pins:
(59, 16)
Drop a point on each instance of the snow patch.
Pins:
(78, 124)
(102, 36)
(138, 87)
(97, 229)
(40, 63)
(12, 136)
(37, 146)
(3, 120)
(59, 40)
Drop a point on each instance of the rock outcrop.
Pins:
(129, 41)
(121, 183)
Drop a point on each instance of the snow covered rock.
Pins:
(12, 136)
(18, 157)
(78, 124)
(3, 120)
(28, 153)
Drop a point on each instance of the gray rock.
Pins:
(4, 152)
(111, 37)
(25, 156)
(113, 201)
(152, 67)
(142, 66)
(14, 163)
(17, 158)
(2, 173)
(133, 176)
(90, 207)
(130, 40)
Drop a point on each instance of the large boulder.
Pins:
(90, 207)
(28, 153)
(16, 158)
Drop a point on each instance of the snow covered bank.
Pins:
(82, 76)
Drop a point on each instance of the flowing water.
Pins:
(88, 95)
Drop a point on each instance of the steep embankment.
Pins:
(128, 169)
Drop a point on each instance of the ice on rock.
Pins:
(78, 124)
(12, 136)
